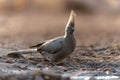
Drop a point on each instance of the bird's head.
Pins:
(71, 23)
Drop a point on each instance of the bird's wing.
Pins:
(36, 46)
(52, 46)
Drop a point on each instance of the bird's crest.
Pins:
(71, 20)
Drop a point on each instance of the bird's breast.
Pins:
(70, 44)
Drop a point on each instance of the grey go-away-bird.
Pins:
(58, 48)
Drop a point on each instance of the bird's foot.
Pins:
(54, 64)
(61, 64)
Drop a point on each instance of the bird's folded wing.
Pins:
(36, 46)
(51, 47)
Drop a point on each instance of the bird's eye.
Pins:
(71, 24)
(68, 27)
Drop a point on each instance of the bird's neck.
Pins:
(67, 35)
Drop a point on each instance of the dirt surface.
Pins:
(97, 51)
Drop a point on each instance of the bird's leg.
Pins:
(71, 59)
(55, 63)
(68, 60)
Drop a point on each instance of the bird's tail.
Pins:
(26, 51)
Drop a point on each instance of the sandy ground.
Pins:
(97, 51)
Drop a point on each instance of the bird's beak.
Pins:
(71, 21)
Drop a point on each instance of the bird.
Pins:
(58, 48)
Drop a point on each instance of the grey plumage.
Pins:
(58, 48)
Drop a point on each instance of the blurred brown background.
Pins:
(32, 21)
(61, 5)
